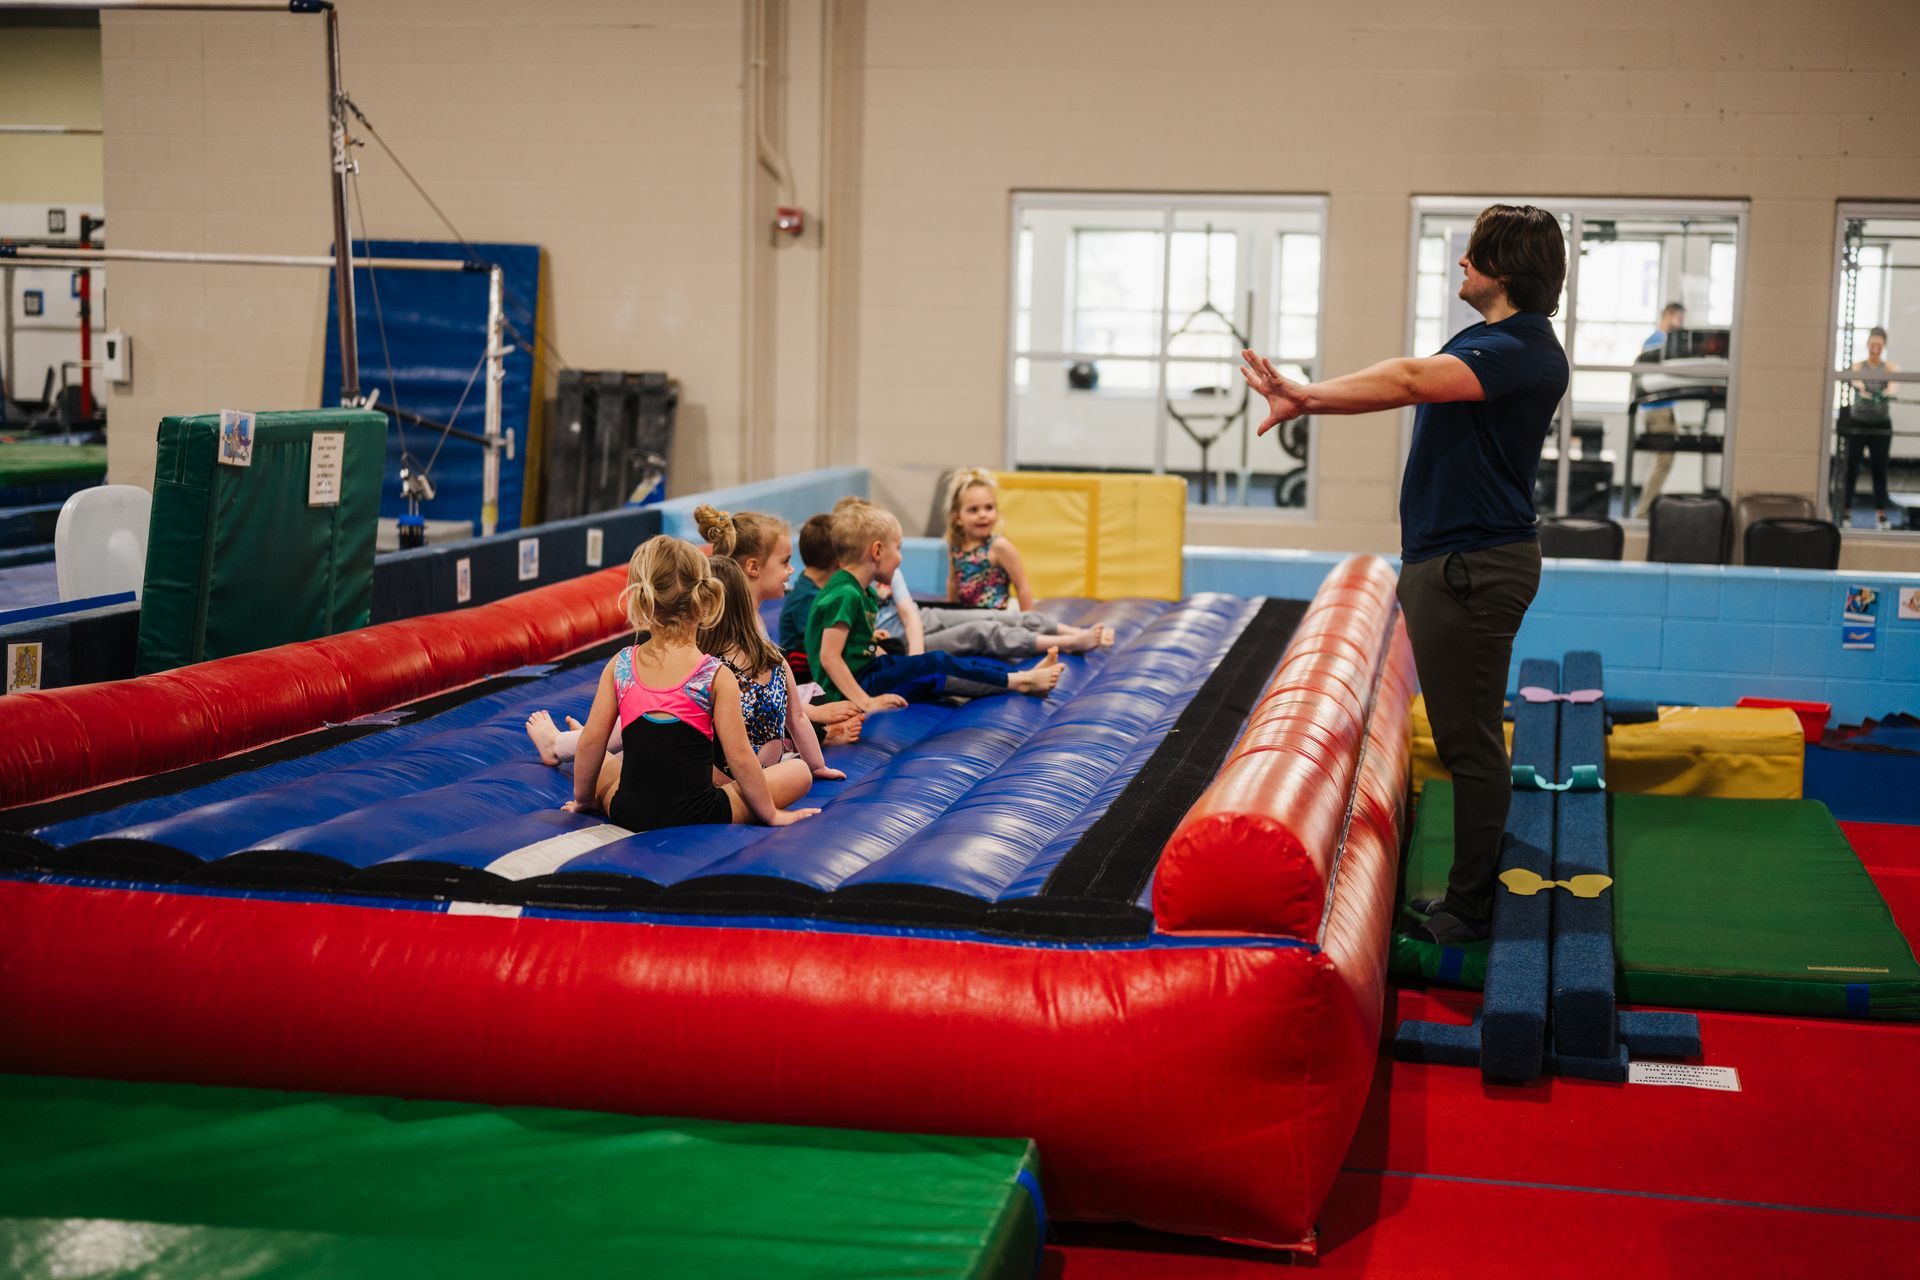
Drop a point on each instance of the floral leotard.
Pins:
(978, 581)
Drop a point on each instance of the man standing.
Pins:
(1658, 416)
(1470, 555)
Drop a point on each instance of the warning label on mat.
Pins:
(1725, 1079)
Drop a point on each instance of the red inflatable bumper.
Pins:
(65, 740)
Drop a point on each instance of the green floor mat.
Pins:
(103, 1178)
(1752, 905)
(29, 464)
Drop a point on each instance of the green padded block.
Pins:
(30, 464)
(1757, 906)
(236, 558)
(103, 1178)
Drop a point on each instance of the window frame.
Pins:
(1846, 211)
(1170, 206)
(1578, 210)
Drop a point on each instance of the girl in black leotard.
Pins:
(673, 703)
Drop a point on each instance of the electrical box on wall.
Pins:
(116, 357)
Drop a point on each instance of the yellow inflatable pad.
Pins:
(1097, 535)
(1739, 753)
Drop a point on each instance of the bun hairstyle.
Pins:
(671, 587)
(963, 481)
(744, 535)
(735, 636)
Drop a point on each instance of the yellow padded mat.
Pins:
(1741, 753)
(1097, 535)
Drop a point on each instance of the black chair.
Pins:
(1689, 528)
(1581, 538)
(1792, 543)
(1766, 506)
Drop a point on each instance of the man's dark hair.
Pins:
(1672, 307)
(1521, 247)
(1877, 332)
(816, 543)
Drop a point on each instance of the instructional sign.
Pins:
(529, 559)
(462, 580)
(1910, 605)
(596, 547)
(23, 667)
(236, 438)
(1723, 1079)
(324, 468)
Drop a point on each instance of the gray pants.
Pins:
(988, 633)
(1462, 612)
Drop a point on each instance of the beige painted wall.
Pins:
(608, 132)
(1790, 105)
(50, 75)
(617, 134)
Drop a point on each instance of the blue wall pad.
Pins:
(1865, 786)
(1583, 966)
(793, 498)
(436, 329)
(407, 584)
(28, 526)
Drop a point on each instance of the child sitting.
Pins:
(984, 569)
(817, 564)
(673, 704)
(840, 628)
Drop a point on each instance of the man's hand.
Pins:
(1286, 399)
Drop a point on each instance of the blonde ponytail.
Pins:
(717, 527)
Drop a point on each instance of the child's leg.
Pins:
(895, 675)
(555, 745)
(787, 781)
(608, 782)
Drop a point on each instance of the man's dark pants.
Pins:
(1462, 611)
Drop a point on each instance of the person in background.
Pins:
(1658, 415)
(1872, 434)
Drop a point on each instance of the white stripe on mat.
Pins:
(546, 856)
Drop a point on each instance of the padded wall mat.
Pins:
(1752, 905)
(104, 1178)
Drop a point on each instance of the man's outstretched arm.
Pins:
(1391, 384)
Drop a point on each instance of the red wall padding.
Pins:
(66, 740)
(1257, 851)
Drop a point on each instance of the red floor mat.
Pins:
(1825, 1119)
(1884, 846)
(1421, 1227)
(1901, 889)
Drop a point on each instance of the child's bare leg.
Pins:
(787, 781)
(1069, 640)
(1037, 681)
(772, 753)
(608, 783)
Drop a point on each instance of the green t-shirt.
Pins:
(842, 602)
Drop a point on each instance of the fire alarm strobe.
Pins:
(791, 221)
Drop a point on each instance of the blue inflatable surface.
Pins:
(951, 815)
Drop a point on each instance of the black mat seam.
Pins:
(1113, 860)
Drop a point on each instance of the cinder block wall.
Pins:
(615, 132)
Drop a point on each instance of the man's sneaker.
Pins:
(1880, 521)
(1425, 906)
(1443, 929)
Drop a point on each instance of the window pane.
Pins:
(1874, 462)
(1136, 384)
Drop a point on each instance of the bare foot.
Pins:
(574, 725)
(1106, 637)
(1038, 681)
(844, 732)
(540, 729)
(1080, 640)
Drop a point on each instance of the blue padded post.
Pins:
(1514, 1014)
(1660, 1035)
(1584, 1037)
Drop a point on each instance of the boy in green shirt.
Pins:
(840, 626)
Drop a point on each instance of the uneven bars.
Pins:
(28, 254)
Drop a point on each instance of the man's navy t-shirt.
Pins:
(1469, 478)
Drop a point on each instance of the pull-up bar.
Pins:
(58, 257)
